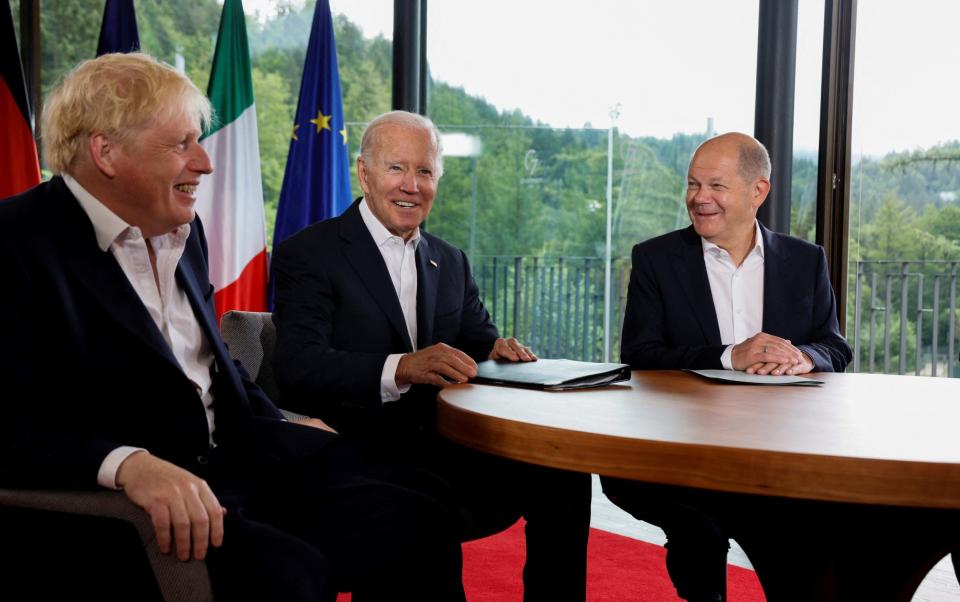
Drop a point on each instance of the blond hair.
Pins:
(118, 95)
(370, 138)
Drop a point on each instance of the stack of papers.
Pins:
(734, 376)
(552, 375)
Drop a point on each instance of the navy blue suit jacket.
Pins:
(338, 317)
(670, 321)
(84, 369)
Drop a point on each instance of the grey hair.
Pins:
(405, 119)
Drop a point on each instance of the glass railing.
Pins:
(904, 314)
(555, 304)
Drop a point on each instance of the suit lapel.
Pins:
(692, 275)
(363, 256)
(428, 275)
(101, 275)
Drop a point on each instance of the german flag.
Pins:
(19, 167)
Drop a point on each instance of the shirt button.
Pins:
(141, 268)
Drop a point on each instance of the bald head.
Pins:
(753, 160)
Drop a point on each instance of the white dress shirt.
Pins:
(167, 305)
(400, 257)
(737, 293)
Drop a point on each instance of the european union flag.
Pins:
(316, 184)
(118, 31)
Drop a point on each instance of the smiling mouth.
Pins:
(187, 188)
(404, 204)
(705, 211)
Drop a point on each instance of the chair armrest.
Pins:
(176, 580)
(292, 416)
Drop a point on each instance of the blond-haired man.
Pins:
(116, 377)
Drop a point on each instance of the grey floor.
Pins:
(939, 586)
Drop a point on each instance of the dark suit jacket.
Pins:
(671, 323)
(338, 317)
(84, 369)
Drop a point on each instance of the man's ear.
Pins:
(362, 174)
(103, 153)
(761, 188)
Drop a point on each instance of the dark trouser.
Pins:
(491, 493)
(305, 529)
(696, 544)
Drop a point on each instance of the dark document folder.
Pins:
(553, 375)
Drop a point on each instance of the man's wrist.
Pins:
(726, 358)
(107, 474)
(390, 386)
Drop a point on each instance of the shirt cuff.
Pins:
(107, 475)
(389, 391)
(726, 359)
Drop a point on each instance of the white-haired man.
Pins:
(373, 314)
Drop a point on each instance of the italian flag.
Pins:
(230, 201)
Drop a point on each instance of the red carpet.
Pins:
(619, 569)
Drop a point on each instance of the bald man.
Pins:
(723, 293)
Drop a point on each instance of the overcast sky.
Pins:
(671, 65)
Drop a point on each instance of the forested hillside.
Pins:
(532, 190)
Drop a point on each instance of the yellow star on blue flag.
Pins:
(322, 121)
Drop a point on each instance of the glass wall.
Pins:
(904, 245)
(562, 116)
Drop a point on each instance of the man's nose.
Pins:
(201, 160)
(409, 183)
(701, 195)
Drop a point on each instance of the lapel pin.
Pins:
(434, 263)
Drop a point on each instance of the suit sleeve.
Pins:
(34, 452)
(477, 331)
(647, 342)
(310, 371)
(826, 346)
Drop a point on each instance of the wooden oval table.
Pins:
(874, 449)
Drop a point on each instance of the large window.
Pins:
(904, 243)
(554, 114)
(183, 33)
(279, 32)
(806, 120)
